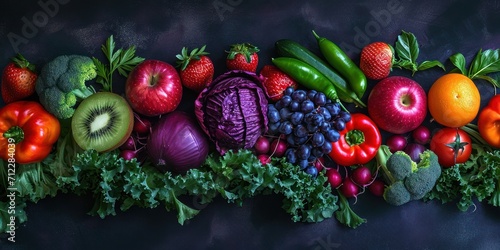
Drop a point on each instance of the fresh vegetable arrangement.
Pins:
(282, 130)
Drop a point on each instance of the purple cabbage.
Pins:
(232, 110)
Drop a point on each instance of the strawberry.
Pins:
(376, 60)
(275, 82)
(196, 68)
(242, 57)
(18, 80)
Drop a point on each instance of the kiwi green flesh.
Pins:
(102, 122)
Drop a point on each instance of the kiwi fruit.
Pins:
(103, 122)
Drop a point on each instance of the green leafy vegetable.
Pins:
(478, 178)
(484, 63)
(346, 215)
(121, 60)
(407, 51)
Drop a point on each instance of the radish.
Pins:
(348, 188)
(264, 159)
(262, 145)
(334, 177)
(129, 144)
(278, 148)
(361, 176)
(421, 135)
(141, 125)
(377, 187)
(128, 154)
(396, 143)
(319, 164)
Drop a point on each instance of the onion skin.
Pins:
(177, 143)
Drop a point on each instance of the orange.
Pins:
(453, 100)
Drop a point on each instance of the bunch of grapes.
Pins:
(310, 123)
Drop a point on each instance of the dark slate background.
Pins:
(42, 30)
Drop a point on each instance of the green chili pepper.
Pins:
(337, 58)
(307, 76)
(290, 48)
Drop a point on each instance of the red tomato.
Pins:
(451, 145)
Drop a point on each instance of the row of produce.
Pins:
(283, 130)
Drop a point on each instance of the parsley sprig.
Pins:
(121, 60)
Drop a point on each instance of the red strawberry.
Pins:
(196, 69)
(276, 81)
(242, 57)
(18, 80)
(376, 60)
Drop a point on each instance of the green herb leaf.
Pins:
(407, 51)
(459, 61)
(478, 178)
(121, 60)
(346, 215)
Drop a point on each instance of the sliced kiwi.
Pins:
(103, 121)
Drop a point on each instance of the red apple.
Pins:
(397, 104)
(153, 88)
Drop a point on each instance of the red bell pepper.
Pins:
(27, 132)
(358, 142)
(488, 122)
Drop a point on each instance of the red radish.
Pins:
(129, 144)
(278, 148)
(361, 176)
(396, 143)
(262, 145)
(377, 187)
(334, 177)
(128, 154)
(319, 164)
(348, 188)
(141, 125)
(421, 135)
(264, 159)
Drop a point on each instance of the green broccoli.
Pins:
(62, 83)
(407, 180)
(400, 165)
(420, 182)
(397, 194)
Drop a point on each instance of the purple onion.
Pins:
(176, 143)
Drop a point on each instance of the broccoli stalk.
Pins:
(406, 180)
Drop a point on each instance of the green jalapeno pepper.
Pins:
(337, 58)
(290, 48)
(307, 76)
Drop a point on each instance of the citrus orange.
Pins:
(453, 100)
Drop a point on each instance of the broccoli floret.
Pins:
(400, 165)
(401, 172)
(396, 194)
(62, 83)
(420, 182)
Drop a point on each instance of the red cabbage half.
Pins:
(232, 110)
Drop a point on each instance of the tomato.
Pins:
(451, 145)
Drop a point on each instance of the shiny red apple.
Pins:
(153, 88)
(397, 104)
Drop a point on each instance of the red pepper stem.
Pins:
(355, 137)
(15, 133)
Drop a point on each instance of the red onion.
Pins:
(177, 143)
